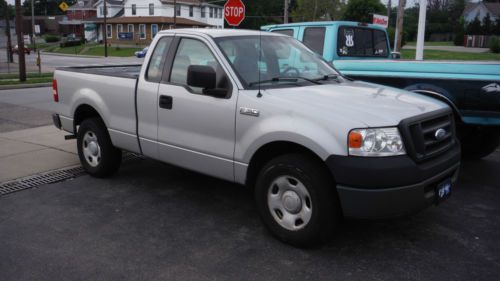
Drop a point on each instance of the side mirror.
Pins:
(395, 55)
(205, 77)
(201, 76)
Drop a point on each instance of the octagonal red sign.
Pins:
(234, 12)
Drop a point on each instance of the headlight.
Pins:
(376, 142)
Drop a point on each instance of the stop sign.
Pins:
(234, 12)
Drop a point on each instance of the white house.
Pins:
(142, 19)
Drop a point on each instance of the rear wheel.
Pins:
(296, 199)
(97, 154)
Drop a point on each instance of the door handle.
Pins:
(166, 102)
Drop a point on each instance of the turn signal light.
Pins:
(54, 90)
(355, 139)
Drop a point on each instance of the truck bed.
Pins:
(124, 71)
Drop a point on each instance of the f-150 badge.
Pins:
(492, 88)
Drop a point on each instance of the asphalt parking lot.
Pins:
(156, 222)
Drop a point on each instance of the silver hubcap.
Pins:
(91, 149)
(289, 203)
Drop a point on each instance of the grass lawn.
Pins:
(445, 43)
(445, 55)
(112, 51)
(33, 78)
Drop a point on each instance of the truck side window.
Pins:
(194, 52)
(288, 32)
(314, 38)
(155, 67)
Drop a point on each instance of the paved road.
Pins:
(50, 62)
(156, 222)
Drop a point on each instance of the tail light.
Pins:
(54, 90)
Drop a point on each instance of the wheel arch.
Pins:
(82, 112)
(271, 150)
(437, 93)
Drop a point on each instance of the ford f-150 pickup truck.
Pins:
(261, 109)
(361, 51)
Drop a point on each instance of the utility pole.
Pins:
(10, 57)
(389, 8)
(285, 19)
(33, 24)
(175, 14)
(105, 33)
(399, 26)
(421, 30)
(20, 41)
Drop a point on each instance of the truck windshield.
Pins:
(274, 60)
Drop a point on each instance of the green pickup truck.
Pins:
(362, 52)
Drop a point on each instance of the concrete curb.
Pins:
(69, 55)
(24, 86)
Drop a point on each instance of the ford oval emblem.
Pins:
(440, 134)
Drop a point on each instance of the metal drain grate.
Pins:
(50, 177)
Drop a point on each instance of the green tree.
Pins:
(487, 25)
(474, 27)
(313, 10)
(262, 12)
(363, 10)
(45, 7)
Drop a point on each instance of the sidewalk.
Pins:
(32, 151)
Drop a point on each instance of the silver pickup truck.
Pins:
(261, 109)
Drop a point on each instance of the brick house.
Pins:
(77, 16)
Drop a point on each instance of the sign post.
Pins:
(234, 12)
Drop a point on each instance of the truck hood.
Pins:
(370, 104)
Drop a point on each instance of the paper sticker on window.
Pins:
(349, 38)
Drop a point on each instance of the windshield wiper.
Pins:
(328, 77)
(284, 79)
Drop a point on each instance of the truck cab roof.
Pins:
(323, 23)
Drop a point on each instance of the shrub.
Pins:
(495, 44)
(51, 38)
(70, 44)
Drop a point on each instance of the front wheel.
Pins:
(297, 201)
(97, 154)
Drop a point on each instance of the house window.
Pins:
(203, 12)
(154, 30)
(211, 12)
(151, 9)
(130, 29)
(142, 31)
(109, 31)
(119, 29)
(178, 10)
(134, 9)
(101, 13)
(191, 11)
(220, 13)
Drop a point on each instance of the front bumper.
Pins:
(391, 186)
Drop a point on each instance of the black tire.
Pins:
(479, 143)
(108, 159)
(323, 198)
